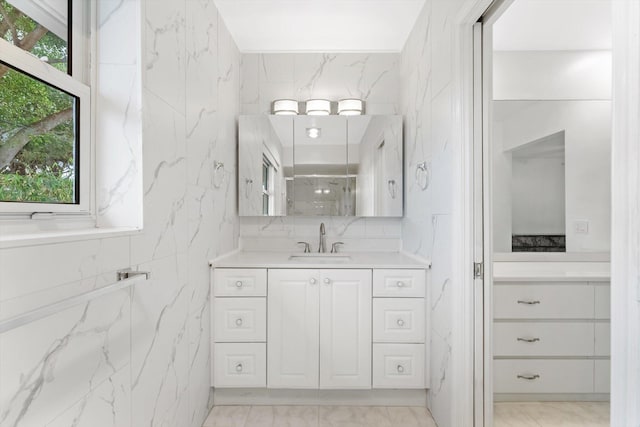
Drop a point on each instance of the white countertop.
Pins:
(551, 271)
(243, 259)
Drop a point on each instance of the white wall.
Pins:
(542, 93)
(137, 357)
(537, 194)
(373, 77)
(551, 75)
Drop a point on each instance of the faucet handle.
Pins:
(307, 247)
(334, 247)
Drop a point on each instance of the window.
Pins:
(45, 144)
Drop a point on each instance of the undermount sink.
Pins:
(320, 258)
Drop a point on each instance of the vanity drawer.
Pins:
(240, 365)
(236, 282)
(543, 339)
(543, 376)
(240, 319)
(603, 339)
(398, 283)
(398, 320)
(398, 366)
(543, 301)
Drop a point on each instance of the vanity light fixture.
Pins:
(313, 133)
(318, 107)
(350, 107)
(285, 107)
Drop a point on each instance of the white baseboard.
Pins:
(260, 396)
(551, 397)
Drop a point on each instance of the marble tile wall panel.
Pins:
(190, 90)
(426, 103)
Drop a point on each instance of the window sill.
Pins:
(16, 240)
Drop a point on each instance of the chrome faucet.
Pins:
(322, 248)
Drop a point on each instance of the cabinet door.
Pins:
(293, 328)
(345, 329)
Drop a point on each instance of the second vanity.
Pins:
(319, 322)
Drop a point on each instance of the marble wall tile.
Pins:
(52, 363)
(426, 72)
(108, 405)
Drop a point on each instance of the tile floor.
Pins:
(551, 414)
(318, 416)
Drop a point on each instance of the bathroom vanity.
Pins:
(551, 331)
(285, 321)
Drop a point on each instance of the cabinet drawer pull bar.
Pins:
(528, 302)
(529, 377)
(528, 339)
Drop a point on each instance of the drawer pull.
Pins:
(313, 281)
(400, 368)
(239, 284)
(327, 280)
(400, 284)
(239, 321)
(529, 339)
(529, 377)
(239, 367)
(528, 302)
(400, 322)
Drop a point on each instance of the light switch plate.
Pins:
(581, 226)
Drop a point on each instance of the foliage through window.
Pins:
(39, 107)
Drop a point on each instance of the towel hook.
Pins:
(422, 175)
(218, 173)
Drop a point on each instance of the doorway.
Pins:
(545, 72)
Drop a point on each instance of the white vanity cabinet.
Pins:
(319, 329)
(551, 338)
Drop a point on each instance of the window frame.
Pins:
(74, 83)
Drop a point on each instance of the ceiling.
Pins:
(554, 25)
(320, 25)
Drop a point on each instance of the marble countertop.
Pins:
(551, 271)
(242, 259)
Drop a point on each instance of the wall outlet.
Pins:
(581, 226)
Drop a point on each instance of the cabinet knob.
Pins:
(239, 321)
(239, 367)
(400, 368)
(400, 322)
(400, 284)
(529, 377)
(313, 281)
(238, 284)
(327, 281)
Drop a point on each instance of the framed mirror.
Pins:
(320, 166)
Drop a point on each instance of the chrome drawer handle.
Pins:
(400, 284)
(528, 339)
(528, 302)
(239, 367)
(239, 321)
(529, 377)
(400, 322)
(400, 368)
(238, 284)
